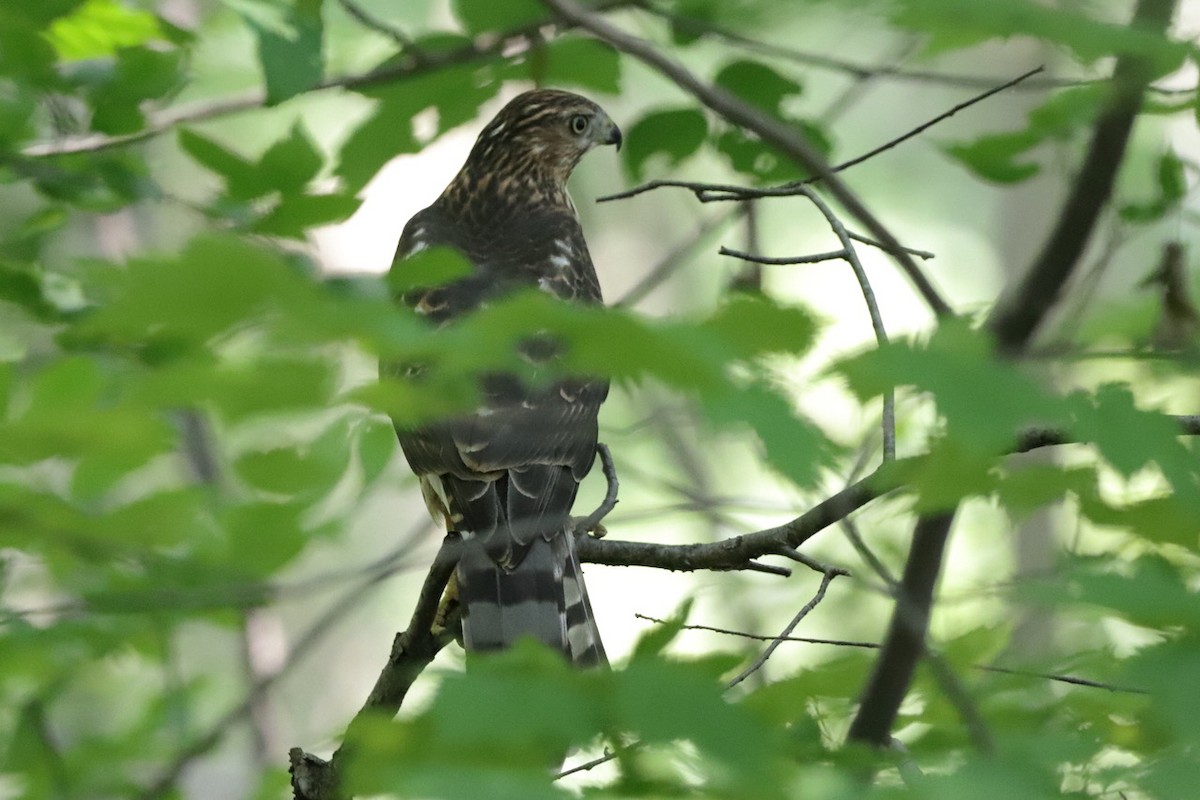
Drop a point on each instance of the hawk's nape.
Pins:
(505, 476)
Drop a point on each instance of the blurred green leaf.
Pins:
(99, 28)
(296, 214)
(310, 468)
(586, 63)
(456, 92)
(376, 446)
(292, 51)
(243, 179)
(481, 16)
(952, 25)
(994, 156)
(217, 283)
(1172, 186)
(430, 267)
(675, 134)
(758, 84)
(292, 162)
(655, 639)
(985, 401)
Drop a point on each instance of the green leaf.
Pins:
(952, 24)
(267, 385)
(293, 161)
(431, 267)
(99, 28)
(994, 156)
(291, 54)
(1027, 487)
(456, 93)
(263, 536)
(1172, 186)
(1128, 437)
(296, 214)
(17, 109)
(750, 156)
(376, 446)
(243, 179)
(985, 401)
(576, 61)
(675, 134)
(754, 326)
(308, 469)
(139, 74)
(22, 287)
(758, 84)
(655, 639)
(217, 283)
(482, 16)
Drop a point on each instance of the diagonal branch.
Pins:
(412, 650)
(737, 551)
(1013, 323)
(772, 131)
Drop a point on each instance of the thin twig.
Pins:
(814, 258)
(826, 579)
(718, 192)
(592, 521)
(924, 255)
(862, 71)
(881, 337)
(371, 22)
(774, 132)
(673, 260)
(1020, 673)
(809, 561)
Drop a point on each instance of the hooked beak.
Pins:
(614, 135)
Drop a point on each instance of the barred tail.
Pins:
(543, 596)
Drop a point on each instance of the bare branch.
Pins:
(826, 579)
(412, 650)
(922, 254)
(371, 22)
(736, 552)
(772, 131)
(814, 258)
(1020, 673)
(676, 258)
(592, 521)
(1013, 324)
(881, 337)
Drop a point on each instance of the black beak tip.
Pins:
(615, 138)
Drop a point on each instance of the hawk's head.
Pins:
(540, 136)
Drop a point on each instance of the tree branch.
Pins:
(412, 650)
(826, 579)
(1013, 324)
(415, 63)
(737, 551)
(772, 131)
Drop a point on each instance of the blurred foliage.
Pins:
(140, 497)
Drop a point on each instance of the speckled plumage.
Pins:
(506, 475)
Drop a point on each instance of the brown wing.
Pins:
(516, 425)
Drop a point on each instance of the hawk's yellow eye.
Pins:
(579, 124)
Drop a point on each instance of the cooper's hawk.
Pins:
(505, 475)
